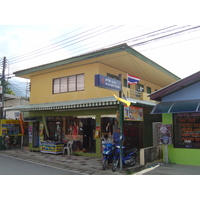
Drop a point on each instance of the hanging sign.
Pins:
(107, 82)
(133, 113)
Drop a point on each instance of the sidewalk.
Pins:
(84, 164)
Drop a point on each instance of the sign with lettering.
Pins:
(164, 134)
(189, 124)
(107, 82)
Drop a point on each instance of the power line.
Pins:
(19, 55)
(19, 59)
(137, 38)
(49, 46)
(165, 36)
(66, 45)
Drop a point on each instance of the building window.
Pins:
(126, 83)
(72, 83)
(80, 82)
(113, 76)
(63, 84)
(148, 90)
(68, 84)
(187, 130)
(56, 85)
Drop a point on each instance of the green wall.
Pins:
(181, 155)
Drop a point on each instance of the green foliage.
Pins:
(7, 89)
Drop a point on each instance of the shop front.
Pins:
(185, 145)
(51, 126)
(52, 130)
(180, 108)
(10, 134)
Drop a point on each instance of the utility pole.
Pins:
(3, 87)
(120, 122)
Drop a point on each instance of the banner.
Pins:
(164, 134)
(133, 113)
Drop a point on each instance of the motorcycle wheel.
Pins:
(133, 162)
(115, 164)
(105, 164)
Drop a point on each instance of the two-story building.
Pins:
(65, 104)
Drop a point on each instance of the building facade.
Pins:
(180, 108)
(66, 105)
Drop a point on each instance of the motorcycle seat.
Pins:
(130, 150)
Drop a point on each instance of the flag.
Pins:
(132, 79)
(128, 103)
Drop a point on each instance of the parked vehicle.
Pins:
(107, 155)
(128, 157)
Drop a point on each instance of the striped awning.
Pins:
(66, 105)
(77, 104)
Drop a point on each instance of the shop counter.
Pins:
(52, 147)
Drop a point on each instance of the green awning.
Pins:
(177, 107)
(79, 104)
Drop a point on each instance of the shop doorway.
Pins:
(54, 125)
(133, 134)
(35, 134)
(88, 132)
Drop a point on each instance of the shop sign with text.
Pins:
(107, 83)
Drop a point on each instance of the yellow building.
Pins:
(65, 100)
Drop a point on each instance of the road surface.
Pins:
(12, 166)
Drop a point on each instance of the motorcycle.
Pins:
(107, 155)
(128, 157)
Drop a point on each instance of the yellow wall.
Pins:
(41, 85)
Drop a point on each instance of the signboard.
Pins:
(164, 134)
(49, 147)
(133, 113)
(107, 83)
(30, 133)
(12, 127)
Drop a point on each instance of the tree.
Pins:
(7, 89)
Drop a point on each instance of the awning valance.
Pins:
(177, 107)
(78, 104)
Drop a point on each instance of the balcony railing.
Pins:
(134, 94)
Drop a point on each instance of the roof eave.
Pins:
(180, 84)
(82, 57)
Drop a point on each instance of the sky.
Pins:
(27, 46)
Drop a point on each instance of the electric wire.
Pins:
(140, 43)
(48, 47)
(15, 58)
(165, 36)
(19, 55)
(65, 45)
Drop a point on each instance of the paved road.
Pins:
(12, 166)
(171, 169)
